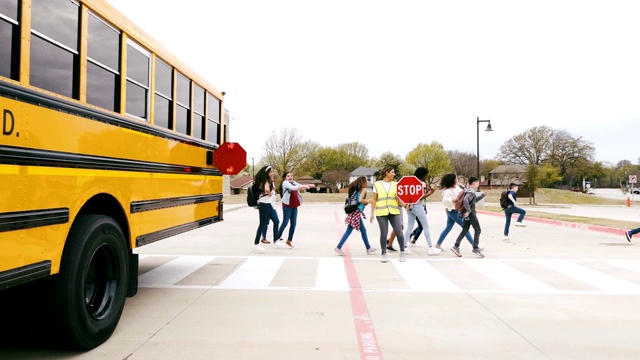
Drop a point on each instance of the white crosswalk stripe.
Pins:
(419, 275)
(422, 276)
(607, 283)
(511, 279)
(174, 271)
(254, 273)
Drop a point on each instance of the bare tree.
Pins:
(337, 179)
(464, 163)
(531, 147)
(286, 151)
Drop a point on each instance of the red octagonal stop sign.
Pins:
(410, 189)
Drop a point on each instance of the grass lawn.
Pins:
(546, 197)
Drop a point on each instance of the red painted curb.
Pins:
(598, 228)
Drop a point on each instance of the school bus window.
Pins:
(54, 46)
(9, 39)
(198, 112)
(137, 80)
(103, 64)
(163, 96)
(183, 97)
(213, 119)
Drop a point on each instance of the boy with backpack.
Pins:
(510, 207)
(468, 214)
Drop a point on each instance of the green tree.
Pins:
(549, 175)
(533, 177)
(432, 156)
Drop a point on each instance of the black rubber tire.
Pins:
(90, 290)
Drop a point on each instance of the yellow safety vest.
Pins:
(387, 202)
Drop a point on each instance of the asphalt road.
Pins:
(553, 292)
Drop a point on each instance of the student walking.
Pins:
(418, 211)
(386, 208)
(450, 191)
(470, 218)
(354, 220)
(291, 200)
(629, 234)
(264, 179)
(512, 208)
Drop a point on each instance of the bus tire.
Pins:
(90, 290)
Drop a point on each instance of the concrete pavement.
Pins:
(553, 292)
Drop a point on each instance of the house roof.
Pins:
(241, 181)
(502, 169)
(364, 171)
(306, 180)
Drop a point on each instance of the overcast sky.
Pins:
(392, 74)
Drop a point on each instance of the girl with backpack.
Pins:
(264, 182)
(418, 211)
(450, 192)
(291, 199)
(354, 219)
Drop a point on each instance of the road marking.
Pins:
(423, 277)
(332, 275)
(173, 271)
(511, 279)
(633, 265)
(254, 273)
(607, 283)
(257, 273)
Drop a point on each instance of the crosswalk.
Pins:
(480, 276)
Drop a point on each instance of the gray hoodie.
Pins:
(469, 201)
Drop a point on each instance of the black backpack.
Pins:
(351, 203)
(253, 194)
(504, 199)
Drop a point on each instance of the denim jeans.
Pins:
(453, 217)
(363, 232)
(417, 212)
(288, 213)
(472, 222)
(508, 212)
(634, 231)
(267, 212)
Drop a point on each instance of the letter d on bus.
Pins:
(7, 122)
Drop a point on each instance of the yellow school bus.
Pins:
(107, 143)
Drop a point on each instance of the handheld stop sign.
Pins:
(410, 189)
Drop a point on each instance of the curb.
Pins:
(566, 224)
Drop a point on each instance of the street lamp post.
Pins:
(478, 121)
(253, 172)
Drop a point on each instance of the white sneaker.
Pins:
(431, 251)
(383, 258)
(280, 244)
(407, 251)
(435, 251)
(339, 251)
(402, 258)
(506, 238)
(520, 224)
(258, 248)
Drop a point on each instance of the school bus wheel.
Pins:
(90, 290)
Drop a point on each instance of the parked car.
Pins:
(636, 191)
